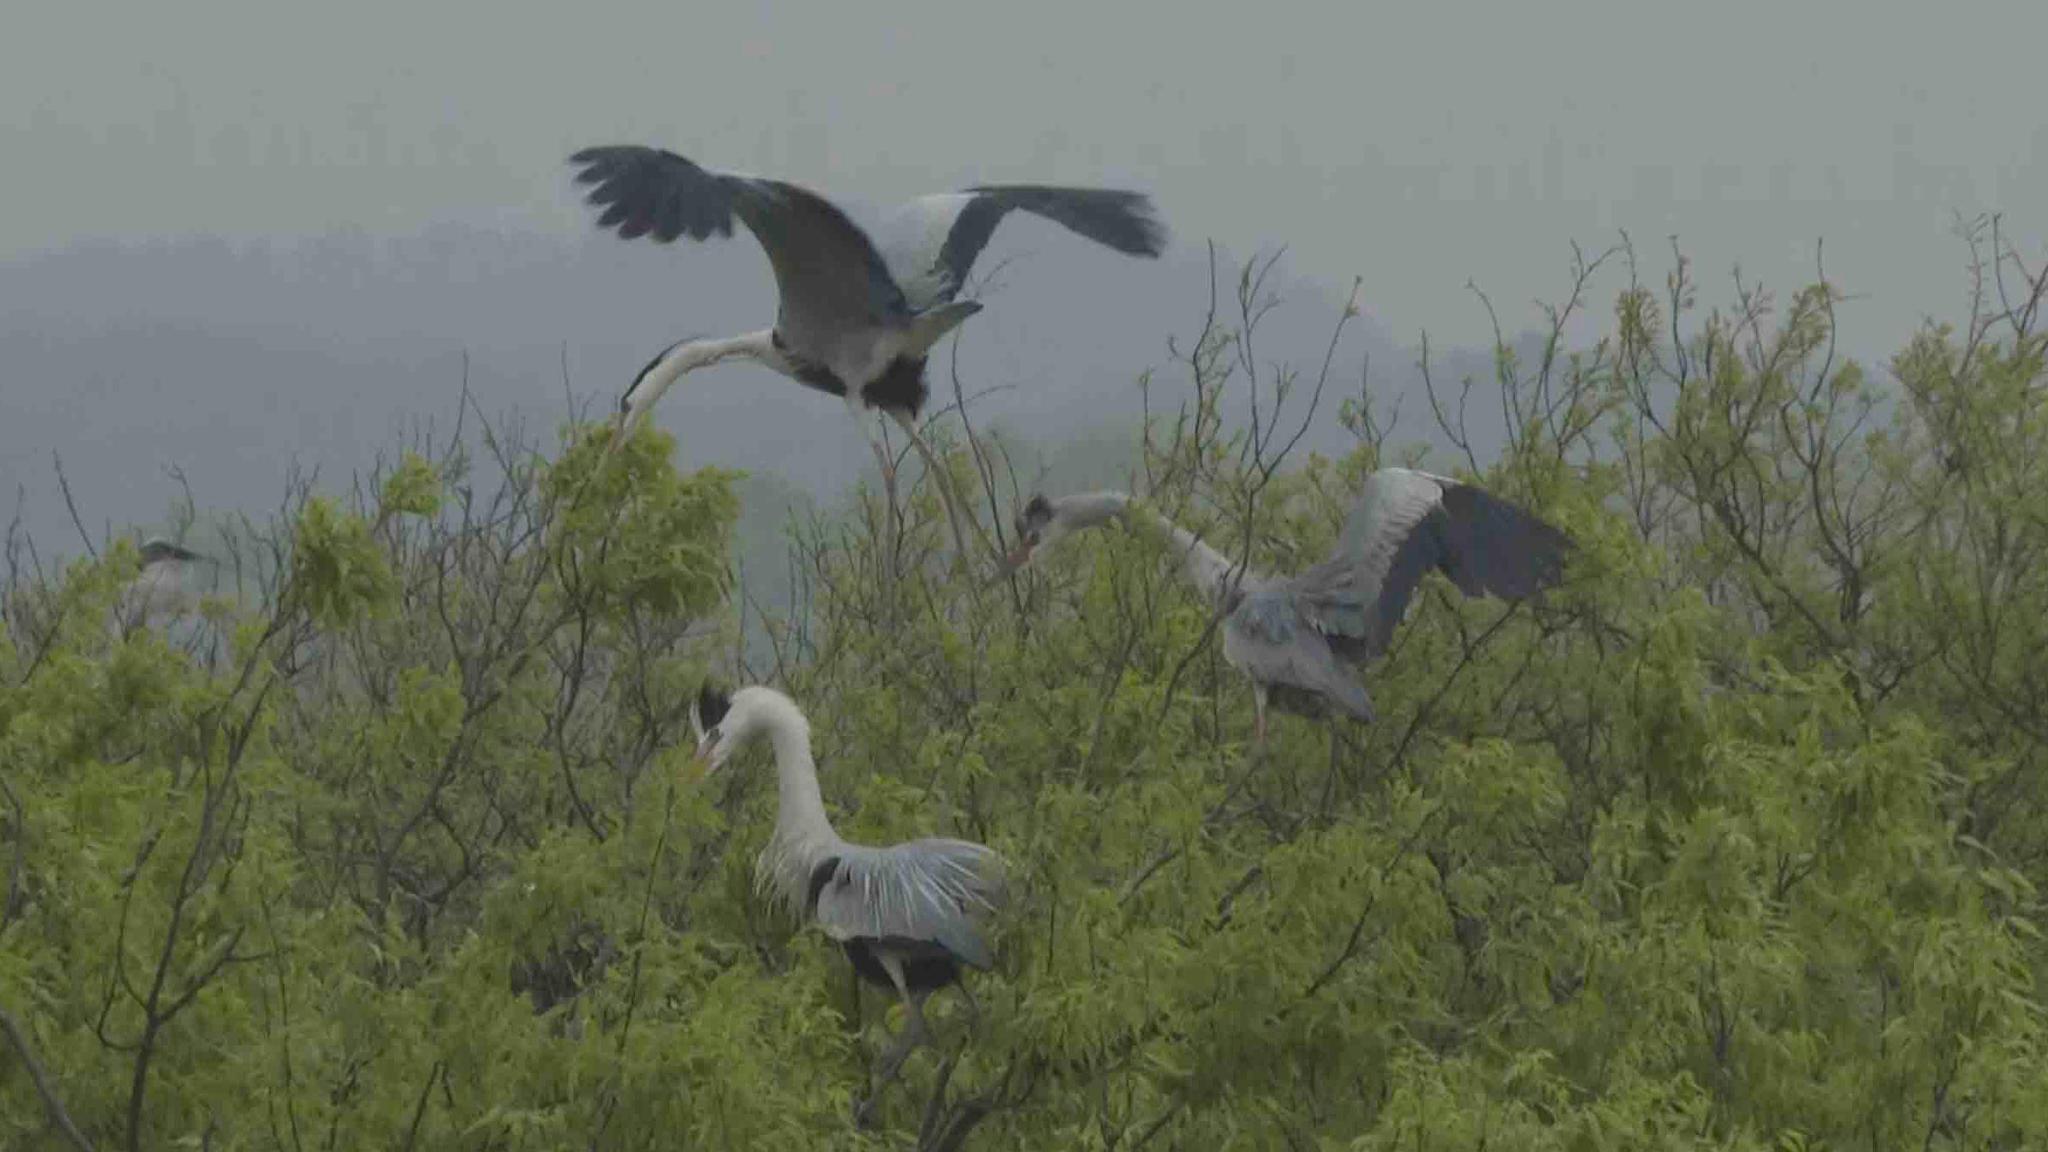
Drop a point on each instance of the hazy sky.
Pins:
(1416, 145)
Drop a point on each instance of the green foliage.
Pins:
(413, 489)
(634, 534)
(337, 567)
(1734, 841)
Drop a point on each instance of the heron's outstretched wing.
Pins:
(1406, 523)
(827, 271)
(940, 236)
(933, 891)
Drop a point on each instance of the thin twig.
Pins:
(71, 505)
(48, 1091)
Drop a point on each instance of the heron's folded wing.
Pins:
(933, 891)
(1274, 639)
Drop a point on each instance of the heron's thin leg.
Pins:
(1258, 716)
(1330, 780)
(943, 477)
(888, 467)
(914, 1033)
(973, 1006)
(891, 1060)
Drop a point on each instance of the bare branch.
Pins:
(52, 1104)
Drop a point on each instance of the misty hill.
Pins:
(235, 361)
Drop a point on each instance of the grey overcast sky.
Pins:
(1417, 145)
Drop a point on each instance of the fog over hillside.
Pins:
(233, 363)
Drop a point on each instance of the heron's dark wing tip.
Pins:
(1129, 222)
(1121, 219)
(601, 161)
(1149, 234)
(654, 193)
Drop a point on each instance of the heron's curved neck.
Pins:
(1207, 568)
(1204, 566)
(800, 807)
(686, 356)
(1091, 509)
(759, 345)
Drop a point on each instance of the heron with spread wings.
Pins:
(908, 916)
(855, 320)
(1300, 638)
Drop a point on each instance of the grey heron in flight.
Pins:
(1300, 638)
(908, 916)
(159, 591)
(855, 320)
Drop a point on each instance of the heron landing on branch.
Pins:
(855, 320)
(1300, 638)
(909, 916)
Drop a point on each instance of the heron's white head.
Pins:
(1037, 526)
(726, 723)
(1043, 522)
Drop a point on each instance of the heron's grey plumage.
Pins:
(929, 891)
(1300, 638)
(159, 592)
(1266, 638)
(845, 324)
(924, 892)
(1404, 524)
(843, 307)
(832, 282)
(907, 915)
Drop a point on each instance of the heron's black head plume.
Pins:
(158, 549)
(626, 397)
(1037, 513)
(712, 704)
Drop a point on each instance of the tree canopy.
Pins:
(1733, 840)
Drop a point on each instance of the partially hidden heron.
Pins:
(908, 916)
(159, 591)
(854, 320)
(1300, 638)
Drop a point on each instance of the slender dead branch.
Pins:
(52, 1104)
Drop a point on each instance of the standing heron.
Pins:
(159, 591)
(854, 320)
(908, 916)
(1300, 638)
